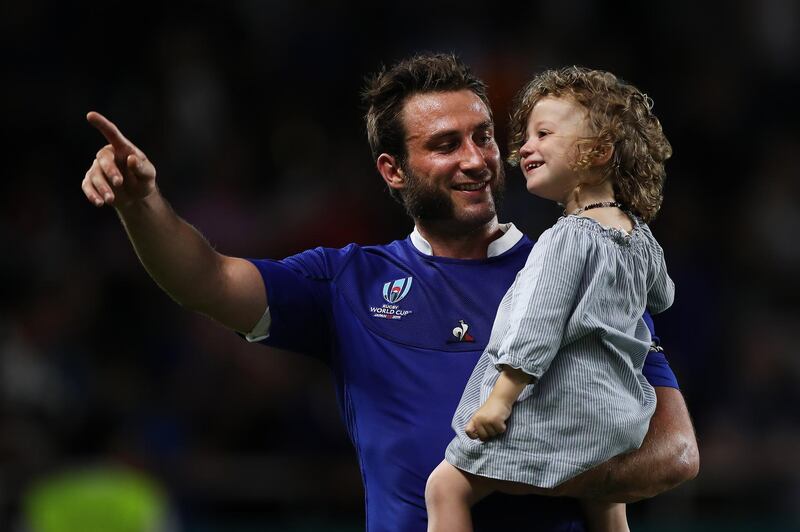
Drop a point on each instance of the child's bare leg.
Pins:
(605, 516)
(449, 495)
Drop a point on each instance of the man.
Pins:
(404, 323)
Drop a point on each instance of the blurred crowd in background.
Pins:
(250, 111)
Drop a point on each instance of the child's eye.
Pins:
(542, 133)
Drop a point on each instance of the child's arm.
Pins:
(542, 302)
(490, 419)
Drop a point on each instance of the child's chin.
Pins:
(537, 190)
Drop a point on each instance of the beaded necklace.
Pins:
(598, 205)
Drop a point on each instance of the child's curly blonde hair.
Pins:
(620, 115)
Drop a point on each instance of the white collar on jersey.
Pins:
(511, 236)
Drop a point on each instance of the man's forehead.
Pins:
(428, 113)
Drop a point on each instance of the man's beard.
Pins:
(432, 204)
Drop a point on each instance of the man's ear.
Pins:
(390, 171)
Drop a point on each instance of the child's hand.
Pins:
(489, 420)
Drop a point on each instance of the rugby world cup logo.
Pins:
(394, 291)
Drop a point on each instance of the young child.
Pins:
(559, 388)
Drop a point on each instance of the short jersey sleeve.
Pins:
(656, 368)
(299, 298)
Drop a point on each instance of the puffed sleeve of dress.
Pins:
(544, 297)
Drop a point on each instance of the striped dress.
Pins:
(573, 320)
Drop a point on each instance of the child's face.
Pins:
(549, 153)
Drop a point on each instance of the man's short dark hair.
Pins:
(387, 91)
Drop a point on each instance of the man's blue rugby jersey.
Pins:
(402, 331)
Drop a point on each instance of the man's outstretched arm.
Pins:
(175, 254)
(668, 457)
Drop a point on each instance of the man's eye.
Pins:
(485, 138)
(447, 147)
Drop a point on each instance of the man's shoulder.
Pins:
(396, 248)
(329, 262)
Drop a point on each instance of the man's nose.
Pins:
(473, 157)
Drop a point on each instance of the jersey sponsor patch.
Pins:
(460, 333)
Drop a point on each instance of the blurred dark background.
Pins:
(250, 111)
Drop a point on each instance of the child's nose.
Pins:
(526, 149)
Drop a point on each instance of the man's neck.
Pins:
(457, 242)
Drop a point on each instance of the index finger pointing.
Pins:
(109, 131)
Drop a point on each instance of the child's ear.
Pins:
(602, 153)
